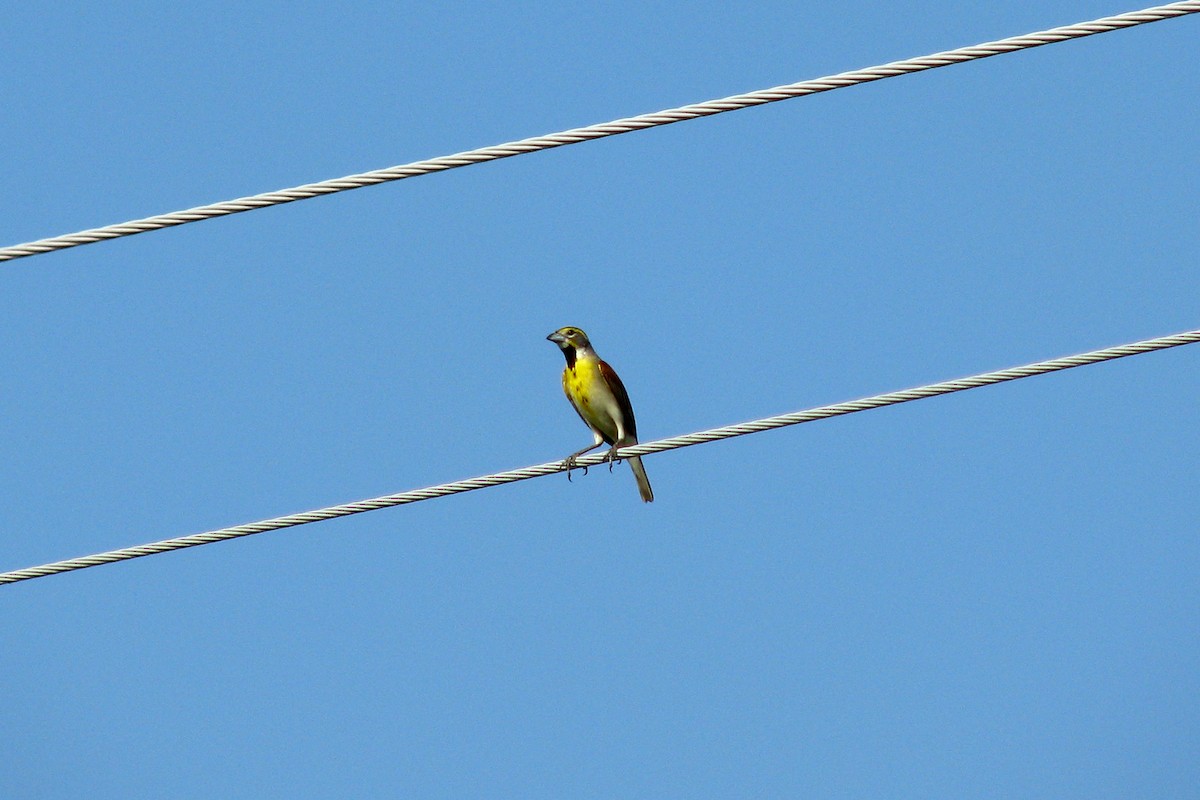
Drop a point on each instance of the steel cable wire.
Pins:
(647, 448)
(627, 125)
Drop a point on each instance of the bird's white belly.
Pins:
(604, 413)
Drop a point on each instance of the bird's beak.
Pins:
(556, 337)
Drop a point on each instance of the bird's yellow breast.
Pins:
(588, 390)
(579, 381)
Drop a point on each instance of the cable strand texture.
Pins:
(599, 131)
(662, 445)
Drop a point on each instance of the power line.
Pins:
(575, 135)
(548, 468)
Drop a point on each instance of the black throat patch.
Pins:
(569, 354)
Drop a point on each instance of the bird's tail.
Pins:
(643, 482)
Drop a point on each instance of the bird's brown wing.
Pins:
(618, 390)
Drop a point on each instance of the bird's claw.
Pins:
(571, 462)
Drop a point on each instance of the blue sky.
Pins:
(990, 594)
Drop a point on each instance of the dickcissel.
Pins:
(599, 397)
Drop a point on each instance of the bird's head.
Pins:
(570, 338)
(572, 341)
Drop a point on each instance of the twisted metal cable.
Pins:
(761, 97)
(675, 442)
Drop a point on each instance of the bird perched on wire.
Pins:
(600, 399)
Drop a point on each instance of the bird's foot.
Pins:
(612, 458)
(571, 462)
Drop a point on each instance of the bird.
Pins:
(600, 399)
